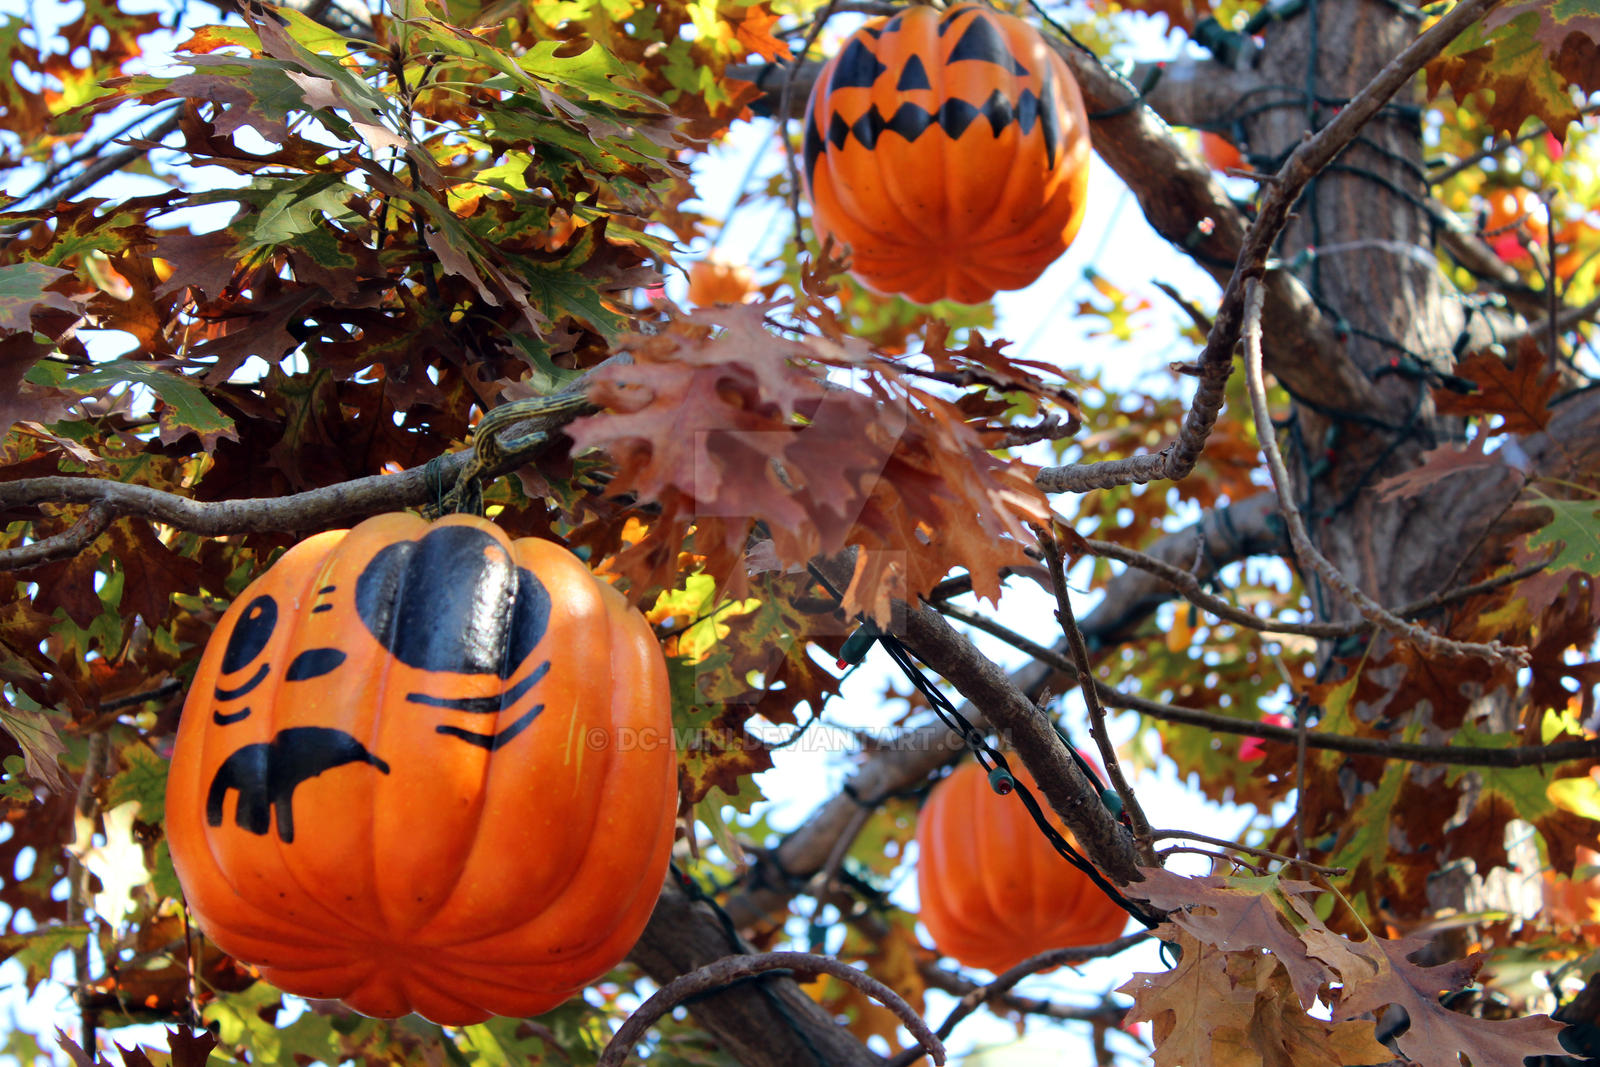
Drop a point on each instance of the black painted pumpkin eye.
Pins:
(250, 634)
(982, 42)
(913, 76)
(314, 663)
(453, 601)
(856, 68)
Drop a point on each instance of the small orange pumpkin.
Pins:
(994, 891)
(424, 767)
(949, 152)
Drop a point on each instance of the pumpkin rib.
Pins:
(577, 823)
(289, 865)
(1063, 215)
(1002, 856)
(626, 791)
(950, 826)
(326, 983)
(430, 1001)
(867, 209)
(447, 842)
(917, 36)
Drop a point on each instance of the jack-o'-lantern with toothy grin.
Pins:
(948, 152)
(387, 786)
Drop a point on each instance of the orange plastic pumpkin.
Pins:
(949, 152)
(716, 281)
(994, 891)
(426, 768)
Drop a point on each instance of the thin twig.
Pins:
(1249, 850)
(1191, 589)
(86, 809)
(1178, 459)
(821, 886)
(1500, 145)
(1189, 586)
(1211, 854)
(1137, 822)
(1370, 609)
(978, 995)
(731, 969)
(160, 692)
(96, 165)
(1049, 428)
(1460, 756)
(1300, 734)
(960, 985)
(1201, 320)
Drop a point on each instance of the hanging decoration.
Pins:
(423, 767)
(994, 890)
(949, 153)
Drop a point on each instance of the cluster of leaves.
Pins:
(1219, 931)
(1525, 60)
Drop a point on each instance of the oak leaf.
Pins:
(1440, 463)
(1574, 526)
(1437, 1036)
(1239, 915)
(1518, 391)
(1185, 1035)
(729, 426)
(1507, 71)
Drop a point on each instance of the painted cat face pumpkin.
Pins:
(950, 153)
(395, 781)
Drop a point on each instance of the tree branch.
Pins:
(734, 969)
(978, 995)
(1462, 756)
(314, 509)
(1032, 734)
(685, 934)
(1370, 609)
(1137, 822)
(69, 542)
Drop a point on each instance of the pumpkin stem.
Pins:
(493, 454)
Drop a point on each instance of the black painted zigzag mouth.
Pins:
(953, 117)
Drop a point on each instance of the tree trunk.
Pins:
(1386, 298)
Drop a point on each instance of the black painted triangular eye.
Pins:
(856, 68)
(981, 42)
(914, 76)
